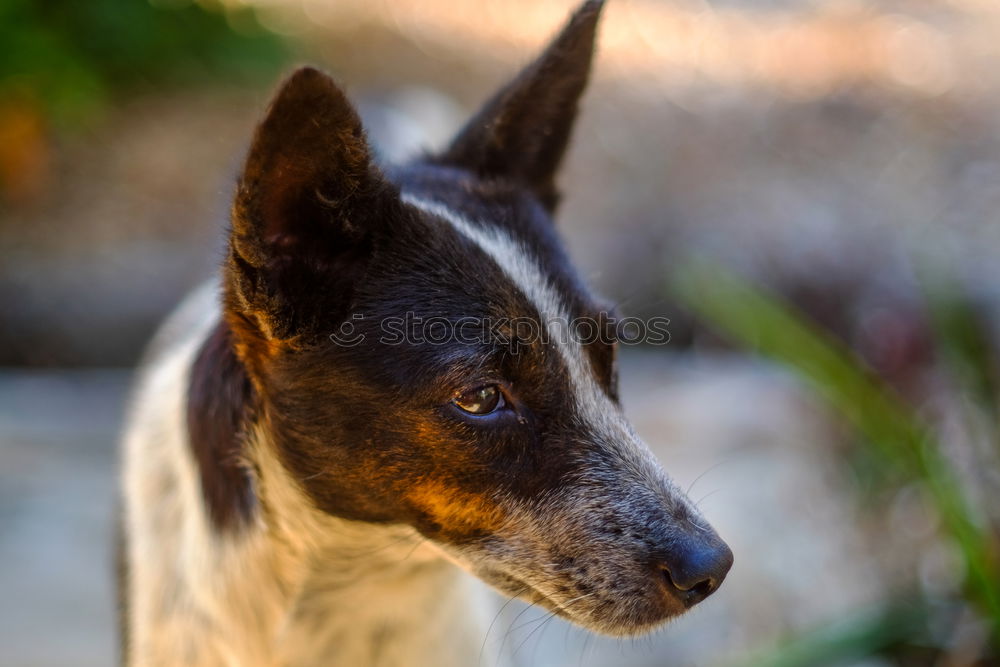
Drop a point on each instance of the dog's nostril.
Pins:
(691, 594)
(701, 590)
(693, 574)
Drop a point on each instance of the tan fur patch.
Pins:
(457, 511)
(253, 348)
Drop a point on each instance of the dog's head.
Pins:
(406, 333)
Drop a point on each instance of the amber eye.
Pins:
(480, 401)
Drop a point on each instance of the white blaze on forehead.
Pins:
(517, 263)
(593, 406)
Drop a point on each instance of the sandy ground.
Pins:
(741, 436)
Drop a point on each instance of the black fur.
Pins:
(221, 403)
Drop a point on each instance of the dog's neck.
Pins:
(356, 592)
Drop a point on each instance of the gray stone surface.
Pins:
(57, 493)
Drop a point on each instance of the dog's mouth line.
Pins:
(563, 610)
(534, 595)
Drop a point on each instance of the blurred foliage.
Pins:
(63, 61)
(965, 344)
(895, 627)
(68, 57)
(899, 442)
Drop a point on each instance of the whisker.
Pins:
(583, 651)
(545, 624)
(416, 546)
(511, 628)
(708, 470)
(545, 620)
(318, 473)
(496, 617)
(706, 497)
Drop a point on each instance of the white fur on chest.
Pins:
(295, 588)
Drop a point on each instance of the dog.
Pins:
(300, 488)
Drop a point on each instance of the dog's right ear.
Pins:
(307, 206)
(522, 133)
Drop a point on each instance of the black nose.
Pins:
(695, 567)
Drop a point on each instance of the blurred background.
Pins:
(808, 189)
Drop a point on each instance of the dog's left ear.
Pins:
(521, 133)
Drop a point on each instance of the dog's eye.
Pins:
(480, 401)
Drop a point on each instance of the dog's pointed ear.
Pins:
(522, 132)
(307, 205)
